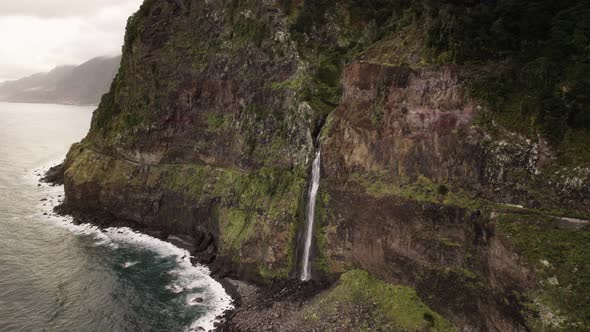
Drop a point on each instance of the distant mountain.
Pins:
(77, 85)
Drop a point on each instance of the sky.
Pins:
(37, 35)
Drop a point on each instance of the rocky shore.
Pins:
(270, 307)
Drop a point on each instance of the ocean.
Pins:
(58, 276)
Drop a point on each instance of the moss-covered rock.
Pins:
(559, 251)
(394, 308)
(252, 215)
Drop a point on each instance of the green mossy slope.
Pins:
(394, 308)
(561, 259)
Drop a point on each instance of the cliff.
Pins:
(210, 128)
(76, 85)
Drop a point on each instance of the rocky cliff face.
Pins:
(196, 119)
(208, 131)
(413, 188)
(396, 144)
(405, 123)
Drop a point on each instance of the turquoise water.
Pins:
(57, 276)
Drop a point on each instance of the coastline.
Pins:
(274, 306)
(104, 222)
(53, 176)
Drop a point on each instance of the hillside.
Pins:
(455, 168)
(77, 85)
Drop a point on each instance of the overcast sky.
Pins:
(37, 35)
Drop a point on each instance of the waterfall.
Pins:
(313, 192)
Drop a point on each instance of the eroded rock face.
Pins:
(451, 255)
(196, 138)
(409, 123)
(196, 88)
(401, 146)
(208, 132)
(402, 120)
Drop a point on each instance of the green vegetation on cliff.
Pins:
(422, 190)
(329, 35)
(529, 60)
(132, 28)
(561, 258)
(209, 128)
(256, 212)
(542, 84)
(394, 307)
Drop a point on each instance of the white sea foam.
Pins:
(196, 281)
(129, 264)
(174, 288)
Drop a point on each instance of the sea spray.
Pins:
(313, 192)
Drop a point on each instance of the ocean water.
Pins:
(57, 276)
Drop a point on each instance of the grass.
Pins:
(561, 258)
(576, 148)
(235, 228)
(294, 83)
(217, 121)
(422, 190)
(396, 307)
(246, 30)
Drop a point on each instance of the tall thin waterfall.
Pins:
(313, 192)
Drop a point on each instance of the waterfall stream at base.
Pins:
(313, 191)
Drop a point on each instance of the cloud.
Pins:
(36, 37)
(54, 8)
